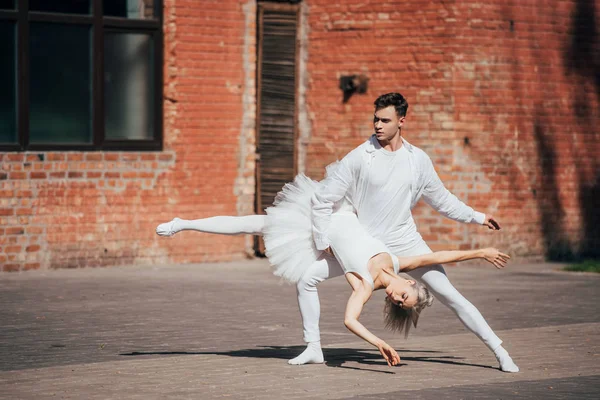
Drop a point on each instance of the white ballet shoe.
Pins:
(505, 361)
(311, 355)
(168, 228)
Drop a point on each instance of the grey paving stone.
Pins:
(226, 331)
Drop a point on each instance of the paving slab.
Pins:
(211, 331)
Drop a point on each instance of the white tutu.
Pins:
(289, 239)
(288, 230)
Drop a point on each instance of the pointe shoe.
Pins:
(168, 228)
(311, 355)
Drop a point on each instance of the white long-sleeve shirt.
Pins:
(383, 187)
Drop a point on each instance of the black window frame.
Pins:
(99, 24)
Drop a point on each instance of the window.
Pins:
(81, 75)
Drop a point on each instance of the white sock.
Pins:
(312, 355)
(506, 363)
(168, 228)
(222, 225)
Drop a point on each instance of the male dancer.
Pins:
(384, 178)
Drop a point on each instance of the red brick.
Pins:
(34, 230)
(11, 267)
(74, 157)
(32, 248)
(37, 175)
(55, 156)
(148, 157)
(129, 157)
(14, 231)
(94, 157)
(129, 175)
(93, 174)
(74, 174)
(30, 266)
(17, 175)
(12, 249)
(15, 157)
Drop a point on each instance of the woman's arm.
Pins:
(491, 255)
(360, 295)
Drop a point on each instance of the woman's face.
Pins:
(402, 292)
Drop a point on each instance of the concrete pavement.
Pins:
(212, 331)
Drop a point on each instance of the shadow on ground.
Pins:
(336, 357)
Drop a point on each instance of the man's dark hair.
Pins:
(392, 99)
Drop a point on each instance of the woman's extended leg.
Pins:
(224, 225)
(436, 280)
(310, 308)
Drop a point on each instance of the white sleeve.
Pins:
(331, 190)
(444, 202)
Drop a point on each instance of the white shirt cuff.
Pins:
(478, 218)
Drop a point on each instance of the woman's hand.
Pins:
(494, 256)
(389, 354)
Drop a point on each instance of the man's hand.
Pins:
(328, 251)
(389, 354)
(491, 223)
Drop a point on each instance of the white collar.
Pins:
(373, 144)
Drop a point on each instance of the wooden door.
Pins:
(276, 102)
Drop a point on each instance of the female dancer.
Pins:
(367, 263)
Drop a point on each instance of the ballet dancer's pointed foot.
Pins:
(168, 228)
(506, 363)
(312, 355)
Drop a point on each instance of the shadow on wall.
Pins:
(582, 68)
(556, 244)
(582, 64)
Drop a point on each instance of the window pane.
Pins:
(61, 6)
(139, 9)
(8, 106)
(128, 86)
(60, 84)
(7, 4)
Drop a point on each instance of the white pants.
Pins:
(434, 277)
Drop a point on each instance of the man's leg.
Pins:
(248, 224)
(436, 280)
(310, 308)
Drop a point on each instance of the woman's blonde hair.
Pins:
(397, 319)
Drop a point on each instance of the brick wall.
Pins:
(74, 209)
(504, 97)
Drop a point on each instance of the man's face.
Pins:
(386, 123)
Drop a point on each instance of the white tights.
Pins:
(434, 277)
(249, 224)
